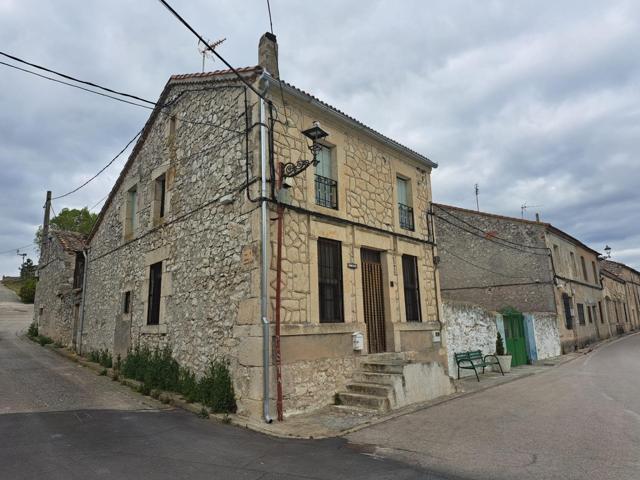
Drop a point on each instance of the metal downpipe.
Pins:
(84, 297)
(264, 273)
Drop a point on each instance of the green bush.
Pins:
(44, 340)
(28, 290)
(157, 369)
(499, 345)
(103, 357)
(33, 330)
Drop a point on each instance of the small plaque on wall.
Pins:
(352, 265)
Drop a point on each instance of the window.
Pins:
(160, 197)
(626, 318)
(589, 314)
(78, 273)
(568, 316)
(404, 204)
(411, 288)
(126, 302)
(595, 273)
(132, 212)
(155, 288)
(556, 253)
(326, 185)
(574, 272)
(584, 269)
(581, 318)
(600, 311)
(330, 281)
(172, 126)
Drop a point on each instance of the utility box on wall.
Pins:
(358, 341)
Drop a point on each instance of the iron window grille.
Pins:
(326, 192)
(411, 288)
(406, 217)
(581, 317)
(330, 281)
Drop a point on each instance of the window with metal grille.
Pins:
(325, 182)
(330, 281)
(155, 288)
(581, 318)
(405, 211)
(126, 302)
(411, 288)
(568, 317)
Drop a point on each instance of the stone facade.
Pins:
(622, 295)
(59, 291)
(183, 215)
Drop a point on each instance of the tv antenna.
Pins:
(523, 208)
(205, 49)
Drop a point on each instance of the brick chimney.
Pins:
(268, 54)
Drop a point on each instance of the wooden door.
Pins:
(515, 338)
(373, 300)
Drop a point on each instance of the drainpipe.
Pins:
(264, 273)
(84, 296)
(278, 355)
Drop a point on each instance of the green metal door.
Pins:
(515, 339)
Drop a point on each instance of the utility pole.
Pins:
(477, 188)
(45, 224)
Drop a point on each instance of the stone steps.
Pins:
(365, 401)
(376, 377)
(374, 389)
(383, 366)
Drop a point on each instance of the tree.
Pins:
(27, 269)
(72, 220)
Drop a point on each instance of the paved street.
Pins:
(58, 420)
(577, 421)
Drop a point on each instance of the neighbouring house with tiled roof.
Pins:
(59, 290)
(622, 295)
(309, 270)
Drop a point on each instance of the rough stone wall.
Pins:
(546, 335)
(468, 327)
(478, 268)
(207, 225)
(55, 295)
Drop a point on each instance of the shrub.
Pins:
(103, 357)
(216, 389)
(28, 290)
(499, 345)
(44, 340)
(33, 330)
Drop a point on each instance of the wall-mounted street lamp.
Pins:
(607, 250)
(314, 134)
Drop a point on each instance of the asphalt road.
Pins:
(58, 420)
(577, 421)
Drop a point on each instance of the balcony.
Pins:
(326, 192)
(406, 217)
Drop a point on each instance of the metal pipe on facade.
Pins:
(264, 273)
(84, 297)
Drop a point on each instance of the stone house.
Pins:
(495, 263)
(222, 239)
(59, 290)
(621, 295)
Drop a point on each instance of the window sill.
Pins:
(154, 329)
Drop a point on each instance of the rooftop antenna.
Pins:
(523, 208)
(205, 52)
(477, 189)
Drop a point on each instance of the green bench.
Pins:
(473, 359)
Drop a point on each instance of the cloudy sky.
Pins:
(537, 102)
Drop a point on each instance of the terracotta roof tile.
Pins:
(70, 241)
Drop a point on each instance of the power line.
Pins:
(270, 20)
(99, 201)
(220, 57)
(102, 169)
(13, 250)
(69, 77)
(74, 86)
(497, 285)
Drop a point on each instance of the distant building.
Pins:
(59, 290)
(501, 263)
(621, 295)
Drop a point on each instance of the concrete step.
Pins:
(374, 389)
(387, 356)
(359, 400)
(383, 366)
(375, 377)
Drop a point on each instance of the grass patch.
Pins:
(157, 369)
(24, 288)
(103, 357)
(32, 331)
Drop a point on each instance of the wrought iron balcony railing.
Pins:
(406, 217)
(326, 192)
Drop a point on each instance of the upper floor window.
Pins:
(326, 184)
(584, 269)
(78, 273)
(574, 270)
(330, 281)
(411, 288)
(131, 221)
(160, 197)
(595, 273)
(126, 302)
(404, 204)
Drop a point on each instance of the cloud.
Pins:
(537, 105)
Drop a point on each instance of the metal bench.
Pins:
(472, 360)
